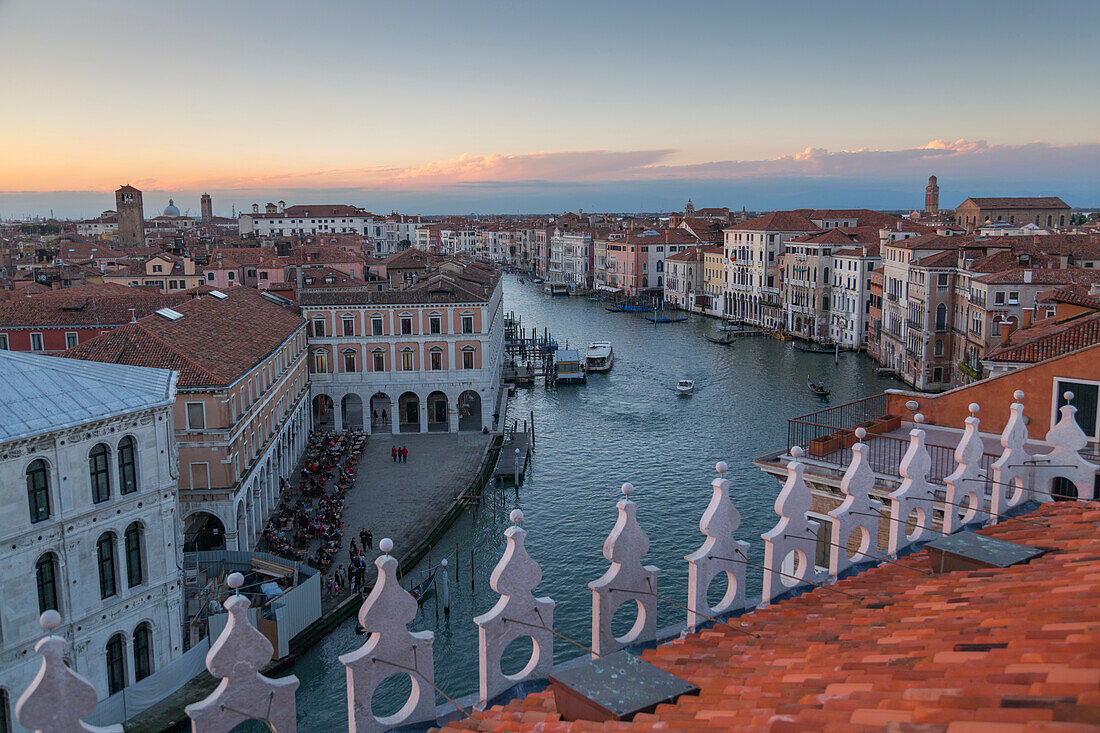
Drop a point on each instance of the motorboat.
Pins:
(556, 288)
(599, 356)
(685, 387)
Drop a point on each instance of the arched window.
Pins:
(38, 490)
(941, 317)
(143, 652)
(133, 541)
(45, 576)
(105, 559)
(100, 474)
(127, 466)
(939, 347)
(116, 664)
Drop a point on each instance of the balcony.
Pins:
(893, 297)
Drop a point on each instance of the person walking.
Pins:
(363, 538)
(404, 454)
(369, 542)
(393, 452)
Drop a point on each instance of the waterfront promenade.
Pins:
(402, 501)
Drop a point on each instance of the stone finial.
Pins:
(851, 516)
(626, 580)
(57, 697)
(782, 541)
(719, 521)
(966, 481)
(914, 496)
(1014, 472)
(1064, 460)
(390, 649)
(517, 613)
(237, 656)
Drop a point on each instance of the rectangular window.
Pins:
(133, 558)
(435, 324)
(1085, 398)
(998, 298)
(379, 361)
(36, 342)
(105, 554)
(3, 342)
(407, 361)
(349, 325)
(196, 416)
(468, 359)
(71, 339)
(349, 361)
(406, 326)
(319, 327)
(467, 324)
(376, 325)
(436, 360)
(320, 361)
(232, 408)
(1013, 298)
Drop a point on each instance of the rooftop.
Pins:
(40, 394)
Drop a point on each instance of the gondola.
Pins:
(818, 389)
(728, 341)
(812, 349)
(666, 319)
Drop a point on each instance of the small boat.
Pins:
(424, 588)
(666, 319)
(599, 356)
(613, 308)
(811, 349)
(730, 327)
(685, 387)
(817, 388)
(638, 308)
(782, 335)
(556, 288)
(537, 280)
(727, 341)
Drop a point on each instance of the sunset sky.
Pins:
(512, 106)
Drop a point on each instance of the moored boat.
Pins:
(599, 356)
(726, 341)
(568, 367)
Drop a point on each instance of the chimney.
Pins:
(899, 226)
(1027, 315)
(1008, 327)
(1027, 276)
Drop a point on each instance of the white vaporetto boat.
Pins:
(599, 356)
(685, 387)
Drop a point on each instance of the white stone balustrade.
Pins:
(1064, 461)
(914, 498)
(1014, 472)
(57, 697)
(787, 537)
(718, 554)
(517, 613)
(966, 485)
(857, 514)
(626, 580)
(237, 656)
(390, 649)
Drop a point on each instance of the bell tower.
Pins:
(206, 207)
(131, 216)
(932, 197)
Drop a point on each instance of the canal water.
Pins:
(627, 424)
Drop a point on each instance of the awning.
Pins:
(608, 288)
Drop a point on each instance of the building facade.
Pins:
(426, 358)
(1041, 210)
(752, 251)
(92, 523)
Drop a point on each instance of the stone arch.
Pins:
(408, 412)
(469, 410)
(241, 525)
(351, 408)
(381, 411)
(203, 531)
(438, 403)
(323, 412)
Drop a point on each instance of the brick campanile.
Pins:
(131, 216)
(932, 196)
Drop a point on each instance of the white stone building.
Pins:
(91, 526)
(851, 295)
(752, 250)
(283, 221)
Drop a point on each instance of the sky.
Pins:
(502, 107)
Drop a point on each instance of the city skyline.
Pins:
(495, 108)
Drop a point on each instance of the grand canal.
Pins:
(624, 425)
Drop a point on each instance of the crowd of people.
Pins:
(315, 510)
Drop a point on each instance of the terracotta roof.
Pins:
(659, 236)
(829, 236)
(1018, 202)
(863, 217)
(863, 250)
(778, 221)
(215, 342)
(104, 304)
(127, 188)
(950, 258)
(970, 651)
(931, 241)
(691, 254)
(1074, 294)
(408, 259)
(1017, 276)
(1049, 338)
(327, 277)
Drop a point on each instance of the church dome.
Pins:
(170, 209)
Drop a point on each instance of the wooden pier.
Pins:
(507, 461)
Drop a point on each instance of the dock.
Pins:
(507, 463)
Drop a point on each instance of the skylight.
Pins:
(170, 314)
(218, 294)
